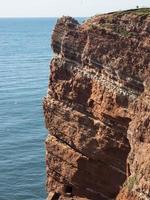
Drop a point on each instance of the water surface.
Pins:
(24, 69)
(24, 59)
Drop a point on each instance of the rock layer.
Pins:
(97, 108)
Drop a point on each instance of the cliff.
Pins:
(97, 108)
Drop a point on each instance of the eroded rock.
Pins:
(97, 108)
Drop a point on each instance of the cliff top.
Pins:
(120, 15)
(118, 41)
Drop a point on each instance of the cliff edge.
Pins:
(97, 108)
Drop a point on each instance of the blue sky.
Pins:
(52, 8)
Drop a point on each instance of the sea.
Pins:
(25, 53)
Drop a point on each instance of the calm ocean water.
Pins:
(24, 59)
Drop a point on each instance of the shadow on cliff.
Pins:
(102, 178)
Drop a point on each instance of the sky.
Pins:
(57, 8)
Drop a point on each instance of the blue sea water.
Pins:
(24, 69)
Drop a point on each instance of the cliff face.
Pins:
(97, 108)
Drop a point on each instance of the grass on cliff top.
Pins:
(93, 24)
(139, 11)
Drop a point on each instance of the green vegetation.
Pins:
(117, 29)
(139, 11)
(142, 11)
(131, 181)
(92, 26)
(100, 26)
(122, 31)
(109, 24)
(111, 15)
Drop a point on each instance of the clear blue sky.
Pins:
(52, 8)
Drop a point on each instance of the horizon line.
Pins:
(107, 12)
(17, 17)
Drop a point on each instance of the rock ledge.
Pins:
(97, 108)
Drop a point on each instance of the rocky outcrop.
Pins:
(97, 108)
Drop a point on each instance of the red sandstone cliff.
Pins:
(97, 108)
